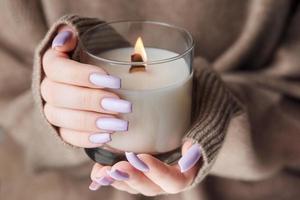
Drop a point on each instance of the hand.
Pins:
(146, 175)
(76, 101)
(85, 115)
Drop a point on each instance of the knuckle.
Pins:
(51, 61)
(53, 115)
(47, 62)
(96, 167)
(64, 134)
(49, 113)
(46, 90)
(45, 59)
(101, 172)
(69, 137)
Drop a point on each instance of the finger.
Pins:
(58, 67)
(191, 155)
(99, 171)
(191, 161)
(73, 97)
(137, 180)
(83, 121)
(186, 145)
(65, 40)
(99, 177)
(84, 139)
(95, 170)
(173, 180)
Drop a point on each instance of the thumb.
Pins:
(65, 40)
(191, 155)
(186, 145)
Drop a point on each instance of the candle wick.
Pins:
(136, 57)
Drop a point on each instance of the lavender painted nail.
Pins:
(118, 175)
(105, 181)
(136, 162)
(61, 38)
(112, 124)
(116, 105)
(106, 81)
(94, 186)
(190, 158)
(100, 138)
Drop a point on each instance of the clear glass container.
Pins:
(160, 93)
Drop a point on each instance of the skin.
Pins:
(72, 104)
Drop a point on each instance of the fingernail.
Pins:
(106, 180)
(107, 81)
(190, 158)
(100, 138)
(118, 175)
(116, 105)
(136, 162)
(61, 38)
(112, 124)
(94, 186)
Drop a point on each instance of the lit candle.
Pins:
(161, 100)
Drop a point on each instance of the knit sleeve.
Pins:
(213, 104)
(22, 117)
(213, 107)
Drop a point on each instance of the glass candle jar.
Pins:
(158, 84)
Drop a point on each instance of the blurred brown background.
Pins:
(253, 44)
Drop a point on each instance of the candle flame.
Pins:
(140, 49)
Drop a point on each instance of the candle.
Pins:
(157, 79)
(161, 100)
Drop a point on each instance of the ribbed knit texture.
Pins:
(213, 107)
(213, 104)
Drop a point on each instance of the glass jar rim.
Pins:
(118, 62)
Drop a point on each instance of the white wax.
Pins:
(161, 99)
(155, 76)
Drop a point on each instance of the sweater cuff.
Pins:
(213, 107)
(80, 25)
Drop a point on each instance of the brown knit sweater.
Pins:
(211, 114)
(246, 84)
